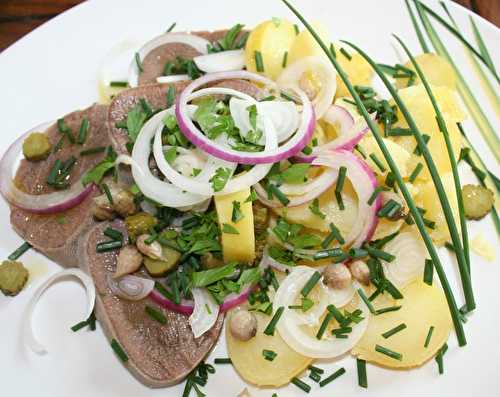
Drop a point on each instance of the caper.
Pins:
(36, 147)
(13, 277)
(139, 223)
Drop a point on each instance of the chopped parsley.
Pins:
(220, 178)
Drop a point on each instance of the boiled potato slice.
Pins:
(272, 39)
(423, 306)
(399, 154)
(342, 219)
(357, 69)
(249, 362)
(437, 71)
(432, 205)
(305, 45)
(236, 247)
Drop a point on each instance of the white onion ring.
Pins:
(174, 78)
(162, 192)
(267, 261)
(364, 183)
(198, 43)
(49, 203)
(205, 312)
(291, 147)
(87, 282)
(224, 61)
(292, 74)
(130, 287)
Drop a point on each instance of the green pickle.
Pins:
(139, 223)
(36, 147)
(159, 267)
(13, 277)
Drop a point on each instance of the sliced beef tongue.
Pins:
(57, 235)
(159, 355)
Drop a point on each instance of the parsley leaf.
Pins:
(305, 241)
(314, 207)
(296, 173)
(229, 41)
(171, 155)
(207, 277)
(220, 178)
(135, 120)
(237, 215)
(96, 174)
(251, 197)
(229, 229)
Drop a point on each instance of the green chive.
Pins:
(342, 330)
(285, 59)
(171, 27)
(341, 179)
(259, 63)
(420, 36)
(93, 150)
(316, 369)
(366, 300)
(315, 376)
(79, 326)
(394, 330)
(301, 385)
(222, 361)
(269, 355)
(415, 172)
(331, 253)
(108, 246)
(429, 336)
(428, 271)
(59, 144)
(170, 96)
(272, 324)
(83, 131)
(404, 190)
(334, 235)
(121, 84)
(374, 195)
(383, 241)
(345, 53)
(155, 314)
(324, 324)
(387, 310)
(389, 353)
(113, 234)
(119, 350)
(54, 171)
(377, 162)
(377, 253)
(19, 251)
(388, 208)
(108, 193)
(337, 314)
(138, 63)
(296, 28)
(274, 190)
(439, 358)
(64, 129)
(362, 378)
(423, 143)
(332, 377)
(430, 224)
(399, 132)
(313, 280)
(357, 253)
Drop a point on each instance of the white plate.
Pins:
(53, 71)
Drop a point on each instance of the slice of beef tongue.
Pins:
(159, 355)
(154, 62)
(156, 96)
(57, 235)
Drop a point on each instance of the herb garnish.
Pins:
(314, 208)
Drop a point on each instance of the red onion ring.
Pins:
(294, 145)
(50, 203)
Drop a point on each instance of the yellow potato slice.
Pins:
(272, 39)
(423, 306)
(249, 362)
(399, 154)
(342, 219)
(430, 201)
(236, 247)
(358, 70)
(437, 71)
(305, 45)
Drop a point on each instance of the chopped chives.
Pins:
(394, 330)
(334, 235)
(122, 84)
(388, 208)
(342, 330)
(357, 253)
(162, 290)
(274, 190)
(316, 369)
(439, 358)
(155, 314)
(387, 310)
(391, 289)
(54, 171)
(362, 378)
(337, 314)
(171, 27)
(430, 224)
(92, 150)
(113, 234)
(332, 50)
(301, 385)
(107, 192)
(223, 361)
(272, 324)
(366, 300)
(425, 139)
(332, 377)
(269, 355)
(315, 376)
(138, 63)
(383, 241)
(379, 254)
(119, 350)
(360, 150)
(83, 131)
(19, 251)
(307, 150)
(429, 336)
(285, 59)
(336, 253)
(374, 195)
(428, 271)
(329, 316)
(389, 353)
(108, 246)
(399, 132)
(313, 280)
(64, 129)
(377, 162)
(170, 96)
(296, 28)
(345, 53)
(259, 63)
(340, 201)
(79, 326)
(59, 144)
(341, 179)
(415, 172)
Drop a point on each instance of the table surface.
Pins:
(19, 17)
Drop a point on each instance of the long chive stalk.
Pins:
(445, 204)
(491, 92)
(470, 101)
(460, 37)
(449, 148)
(455, 315)
(420, 36)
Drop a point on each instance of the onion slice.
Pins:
(198, 43)
(224, 61)
(49, 203)
(174, 78)
(131, 288)
(87, 282)
(296, 143)
(205, 312)
(294, 330)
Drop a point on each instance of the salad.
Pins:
(254, 186)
